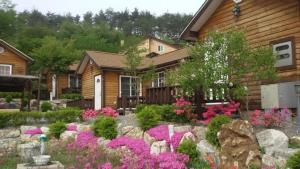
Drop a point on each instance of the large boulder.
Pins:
(295, 140)
(135, 133)
(28, 150)
(238, 145)
(207, 150)
(148, 139)
(66, 135)
(159, 147)
(272, 140)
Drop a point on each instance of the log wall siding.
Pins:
(111, 88)
(263, 22)
(88, 78)
(19, 65)
(62, 82)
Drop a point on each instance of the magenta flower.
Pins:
(34, 131)
(72, 127)
(89, 114)
(109, 111)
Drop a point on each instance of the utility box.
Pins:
(280, 95)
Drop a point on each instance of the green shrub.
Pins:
(214, 127)
(167, 113)
(189, 148)
(12, 94)
(140, 107)
(4, 119)
(105, 127)
(198, 164)
(72, 96)
(55, 129)
(148, 118)
(67, 115)
(8, 98)
(46, 106)
(294, 161)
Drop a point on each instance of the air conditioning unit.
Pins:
(280, 95)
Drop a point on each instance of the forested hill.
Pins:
(29, 30)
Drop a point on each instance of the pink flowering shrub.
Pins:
(182, 106)
(139, 156)
(81, 153)
(89, 114)
(34, 131)
(176, 138)
(215, 110)
(271, 118)
(72, 127)
(109, 111)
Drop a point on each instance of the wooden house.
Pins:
(14, 69)
(273, 23)
(104, 78)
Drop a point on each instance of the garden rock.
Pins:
(187, 136)
(148, 139)
(25, 128)
(180, 129)
(83, 127)
(9, 133)
(8, 146)
(45, 130)
(285, 153)
(207, 150)
(126, 129)
(66, 135)
(199, 132)
(238, 145)
(159, 147)
(268, 160)
(28, 150)
(272, 140)
(103, 142)
(295, 140)
(25, 138)
(135, 133)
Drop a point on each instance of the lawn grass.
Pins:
(9, 162)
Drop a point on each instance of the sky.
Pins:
(80, 7)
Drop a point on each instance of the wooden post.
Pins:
(29, 83)
(199, 101)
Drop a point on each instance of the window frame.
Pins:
(69, 80)
(157, 78)
(10, 68)
(293, 52)
(161, 47)
(120, 85)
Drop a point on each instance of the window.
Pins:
(159, 81)
(5, 69)
(284, 52)
(73, 81)
(128, 86)
(160, 48)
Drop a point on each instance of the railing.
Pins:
(71, 90)
(82, 104)
(161, 95)
(126, 102)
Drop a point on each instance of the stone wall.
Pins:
(9, 140)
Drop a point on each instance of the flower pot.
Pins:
(41, 160)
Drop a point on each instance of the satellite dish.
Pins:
(237, 1)
(1, 49)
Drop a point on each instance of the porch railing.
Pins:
(82, 104)
(126, 102)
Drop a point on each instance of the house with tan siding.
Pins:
(273, 23)
(104, 78)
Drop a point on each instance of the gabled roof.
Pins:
(200, 18)
(16, 51)
(113, 61)
(162, 41)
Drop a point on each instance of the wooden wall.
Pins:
(151, 45)
(62, 82)
(88, 86)
(19, 65)
(263, 21)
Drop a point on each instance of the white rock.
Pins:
(272, 140)
(135, 133)
(295, 140)
(199, 132)
(285, 153)
(205, 148)
(68, 135)
(159, 147)
(25, 128)
(28, 150)
(126, 129)
(268, 160)
(83, 127)
(13, 134)
(186, 128)
(45, 130)
(187, 136)
(148, 139)
(103, 142)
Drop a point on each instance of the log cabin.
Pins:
(14, 70)
(104, 78)
(273, 23)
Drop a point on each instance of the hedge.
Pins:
(24, 118)
(12, 94)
